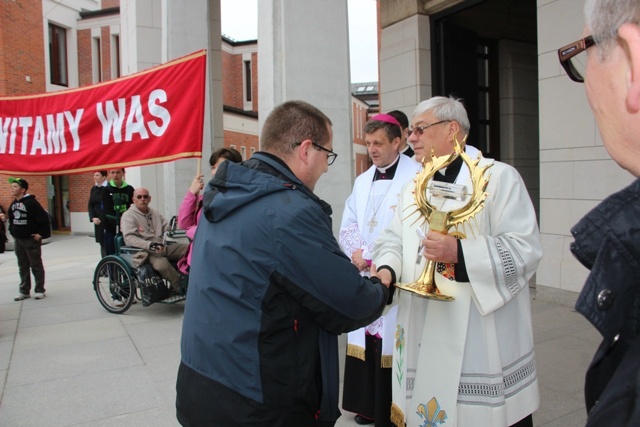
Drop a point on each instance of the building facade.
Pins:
(72, 44)
(499, 56)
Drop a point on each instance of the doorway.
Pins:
(485, 52)
(58, 194)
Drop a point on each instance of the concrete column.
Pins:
(405, 63)
(154, 32)
(304, 54)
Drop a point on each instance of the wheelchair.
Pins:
(117, 283)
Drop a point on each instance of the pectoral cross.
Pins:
(372, 224)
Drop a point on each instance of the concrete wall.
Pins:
(313, 66)
(405, 64)
(519, 138)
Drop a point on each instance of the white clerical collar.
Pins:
(384, 169)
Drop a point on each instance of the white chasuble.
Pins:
(469, 361)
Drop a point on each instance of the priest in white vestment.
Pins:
(368, 210)
(470, 361)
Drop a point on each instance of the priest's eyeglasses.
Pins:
(419, 130)
(571, 59)
(331, 156)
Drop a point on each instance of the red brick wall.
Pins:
(105, 49)
(21, 55)
(85, 68)
(240, 140)
(232, 94)
(106, 4)
(79, 188)
(232, 81)
(21, 47)
(254, 80)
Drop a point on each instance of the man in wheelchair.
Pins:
(143, 227)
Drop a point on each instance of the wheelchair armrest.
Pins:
(129, 250)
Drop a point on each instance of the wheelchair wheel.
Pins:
(114, 284)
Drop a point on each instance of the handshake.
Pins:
(156, 247)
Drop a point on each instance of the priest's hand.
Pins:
(384, 275)
(440, 247)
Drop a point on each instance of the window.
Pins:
(96, 63)
(247, 81)
(115, 56)
(243, 151)
(58, 55)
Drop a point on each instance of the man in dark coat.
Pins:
(95, 207)
(269, 287)
(607, 239)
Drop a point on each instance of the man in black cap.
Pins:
(28, 224)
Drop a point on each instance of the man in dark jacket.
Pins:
(3, 230)
(29, 223)
(607, 239)
(269, 287)
(95, 207)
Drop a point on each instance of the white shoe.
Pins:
(20, 297)
(118, 303)
(39, 296)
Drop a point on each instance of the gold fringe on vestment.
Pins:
(356, 351)
(386, 361)
(397, 416)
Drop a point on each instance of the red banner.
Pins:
(153, 116)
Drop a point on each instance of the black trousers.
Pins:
(29, 254)
(109, 241)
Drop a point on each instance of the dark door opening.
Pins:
(466, 66)
(59, 203)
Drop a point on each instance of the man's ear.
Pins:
(453, 128)
(630, 35)
(303, 150)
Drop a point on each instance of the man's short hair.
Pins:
(291, 123)
(392, 131)
(445, 108)
(103, 173)
(604, 17)
(401, 117)
(228, 153)
(117, 169)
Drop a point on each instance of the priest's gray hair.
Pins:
(445, 108)
(604, 17)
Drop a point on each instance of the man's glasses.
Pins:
(571, 60)
(419, 130)
(331, 156)
(142, 196)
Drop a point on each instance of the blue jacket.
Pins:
(269, 291)
(607, 242)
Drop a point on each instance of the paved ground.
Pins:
(65, 361)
